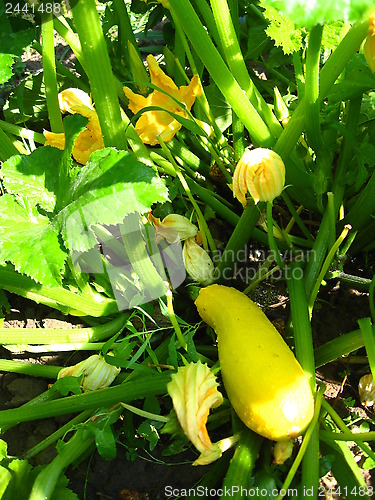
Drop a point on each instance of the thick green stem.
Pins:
(339, 347)
(57, 297)
(11, 336)
(312, 104)
(237, 66)
(236, 243)
(184, 12)
(319, 249)
(301, 320)
(328, 75)
(368, 337)
(99, 71)
(126, 35)
(31, 369)
(126, 393)
(49, 74)
(46, 480)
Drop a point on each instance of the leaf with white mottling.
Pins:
(30, 242)
(34, 176)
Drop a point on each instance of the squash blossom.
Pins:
(197, 262)
(97, 373)
(366, 389)
(173, 227)
(261, 172)
(89, 140)
(369, 45)
(282, 451)
(194, 392)
(159, 122)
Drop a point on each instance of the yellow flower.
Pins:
(173, 227)
(282, 451)
(197, 262)
(194, 392)
(366, 389)
(369, 46)
(97, 373)
(261, 172)
(154, 123)
(90, 139)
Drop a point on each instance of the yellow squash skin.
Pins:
(265, 383)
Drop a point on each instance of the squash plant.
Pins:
(235, 74)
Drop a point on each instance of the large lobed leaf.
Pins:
(30, 242)
(109, 187)
(112, 185)
(308, 13)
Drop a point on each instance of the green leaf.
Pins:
(220, 109)
(3, 449)
(308, 14)
(5, 478)
(6, 63)
(67, 385)
(30, 242)
(281, 29)
(105, 441)
(34, 177)
(149, 432)
(109, 187)
(21, 482)
(13, 42)
(27, 102)
(358, 80)
(333, 33)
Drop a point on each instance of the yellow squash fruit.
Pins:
(265, 383)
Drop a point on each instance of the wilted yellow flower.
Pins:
(90, 139)
(97, 373)
(261, 172)
(366, 389)
(173, 227)
(218, 448)
(369, 45)
(282, 451)
(197, 262)
(154, 123)
(194, 392)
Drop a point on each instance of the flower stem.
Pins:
(99, 71)
(126, 393)
(49, 73)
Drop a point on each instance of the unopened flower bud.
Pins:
(369, 45)
(366, 389)
(71, 98)
(173, 227)
(281, 109)
(261, 172)
(97, 373)
(197, 262)
(282, 451)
